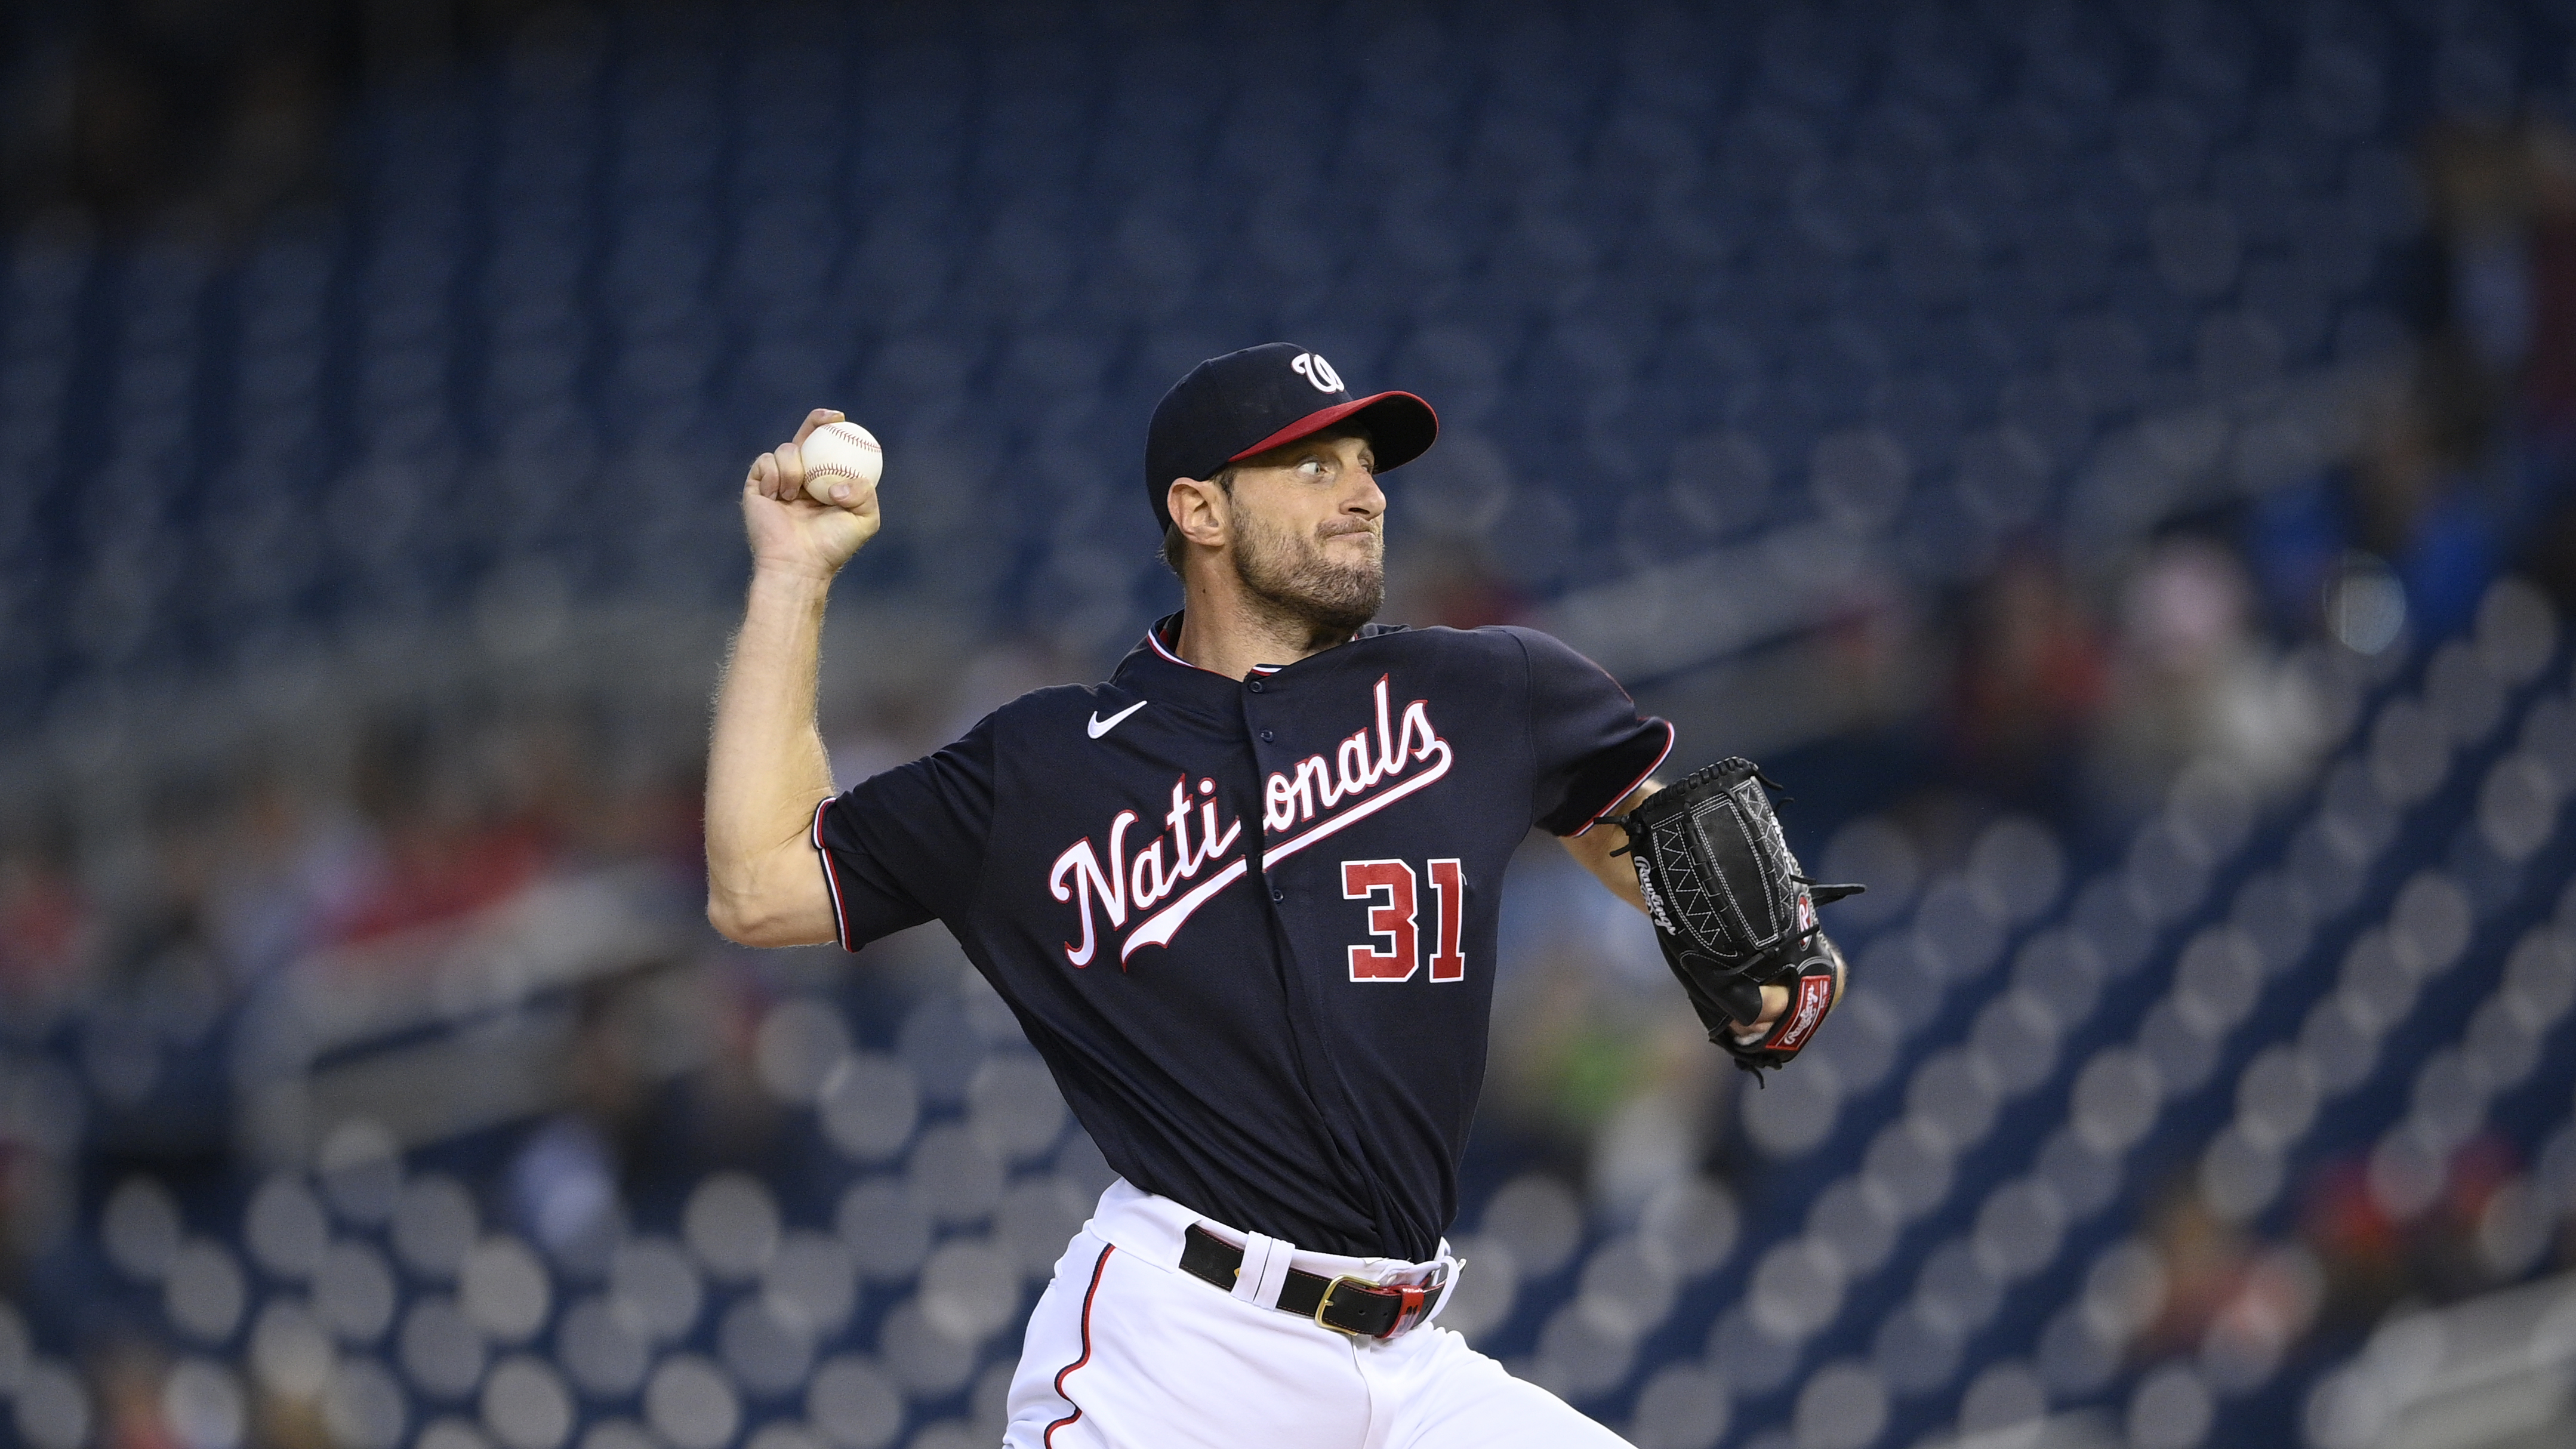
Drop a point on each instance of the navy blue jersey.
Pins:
(1251, 924)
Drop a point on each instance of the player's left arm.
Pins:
(1595, 847)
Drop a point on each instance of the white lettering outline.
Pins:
(1159, 929)
(1084, 864)
(1449, 918)
(1139, 881)
(1079, 877)
(1403, 937)
(1415, 741)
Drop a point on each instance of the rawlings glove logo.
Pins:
(1654, 898)
(1815, 993)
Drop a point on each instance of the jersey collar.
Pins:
(1154, 669)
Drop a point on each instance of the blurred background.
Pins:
(2115, 462)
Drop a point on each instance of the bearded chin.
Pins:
(1296, 582)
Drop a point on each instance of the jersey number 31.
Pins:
(1391, 889)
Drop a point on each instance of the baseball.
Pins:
(839, 453)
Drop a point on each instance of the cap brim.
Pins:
(1400, 428)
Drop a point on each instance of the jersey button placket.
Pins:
(1257, 685)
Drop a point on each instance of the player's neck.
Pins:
(1225, 631)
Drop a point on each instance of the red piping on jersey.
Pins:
(832, 878)
(1632, 788)
(1088, 1294)
(1155, 638)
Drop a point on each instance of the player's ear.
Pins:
(1198, 510)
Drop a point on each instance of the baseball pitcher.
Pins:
(1243, 897)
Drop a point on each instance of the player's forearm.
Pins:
(1593, 848)
(766, 770)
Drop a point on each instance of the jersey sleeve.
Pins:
(907, 846)
(1588, 742)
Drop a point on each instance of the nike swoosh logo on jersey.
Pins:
(1099, 726)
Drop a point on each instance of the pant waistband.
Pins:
(1150, 1227)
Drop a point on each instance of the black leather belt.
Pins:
(1345, 1304)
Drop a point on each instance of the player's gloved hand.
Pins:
(1814, 986)
(1732, 910)
(791, 532)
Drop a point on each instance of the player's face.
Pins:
(1310, 532)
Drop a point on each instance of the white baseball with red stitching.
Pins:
(839, 453)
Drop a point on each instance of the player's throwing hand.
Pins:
(789, 529)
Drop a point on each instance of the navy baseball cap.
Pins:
(1229, 408)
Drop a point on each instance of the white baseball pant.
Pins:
(1126, 1351)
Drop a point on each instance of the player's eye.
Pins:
(1312, 468)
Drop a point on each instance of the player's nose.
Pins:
(1364, 497)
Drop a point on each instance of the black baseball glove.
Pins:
(1732, 910)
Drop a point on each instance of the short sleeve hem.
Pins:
(831, 878)
(1630, 788)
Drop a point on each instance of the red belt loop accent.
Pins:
(1417, 1301)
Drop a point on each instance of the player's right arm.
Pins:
(766, 768)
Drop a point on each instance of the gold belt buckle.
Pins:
(1428, 1292)
(1324, 1304)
